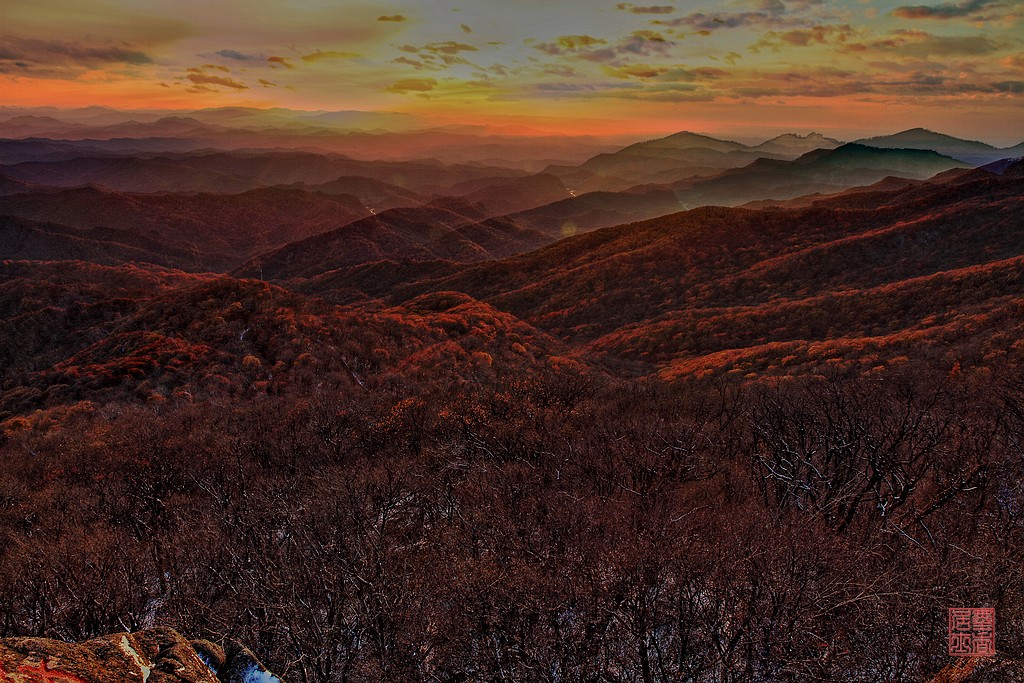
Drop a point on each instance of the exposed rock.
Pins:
(159, 655)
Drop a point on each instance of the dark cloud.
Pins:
(637, 71)
(205, 79)
(569, 44)
(914, 43)
(267, 84)
(566, 87)
(821, 34)
(98, 55)
(949, 10)
(644, 43)
(657, 92)
(562, 71)
(448, 47)
(414, 63)
(588, 48)
(680, 92)
(413, 85)
(58, 52)
(392, 17)
(63, 60)
(650, 9)
(465, 29)
(238, 56)
(670, 74)
(699, 21)
(1009, 86)
(436, 56)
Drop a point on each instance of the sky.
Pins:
(740, 67)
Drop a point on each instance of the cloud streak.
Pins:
(700, 21)
(238, 56)
(915, 43)
(643, 43)
(65, 52)
(418, 85)
(650, 9)
(320, 55)
(949, 10)
(277, 60)
(208, 79)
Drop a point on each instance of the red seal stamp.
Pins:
(972, 631)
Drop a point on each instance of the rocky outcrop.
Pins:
(159, 655)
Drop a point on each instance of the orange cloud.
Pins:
(328, 54)
(392, 17)
(283, 61)
(1015, 61)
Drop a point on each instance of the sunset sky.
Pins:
(740, 67)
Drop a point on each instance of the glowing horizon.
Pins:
(742, 68)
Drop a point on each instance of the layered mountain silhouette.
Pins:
(789, 144)
(620, 290)
(217, 171)
(682, 155)
(372, 135)
(452, 231)
(969, 151)
(219, 231)
(826, 170)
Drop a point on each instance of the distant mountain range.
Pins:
(686, 158)
(824, 170)
(238, 171)
(287, 214)
(705, 290)
(449, 231)
(207, 231)
(584, 163)
(673, 158)
(969, 151)
(354, 133)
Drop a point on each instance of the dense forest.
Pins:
(552, 524)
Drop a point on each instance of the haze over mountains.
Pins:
(111, 161)
(368, 135)
(612, 255)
